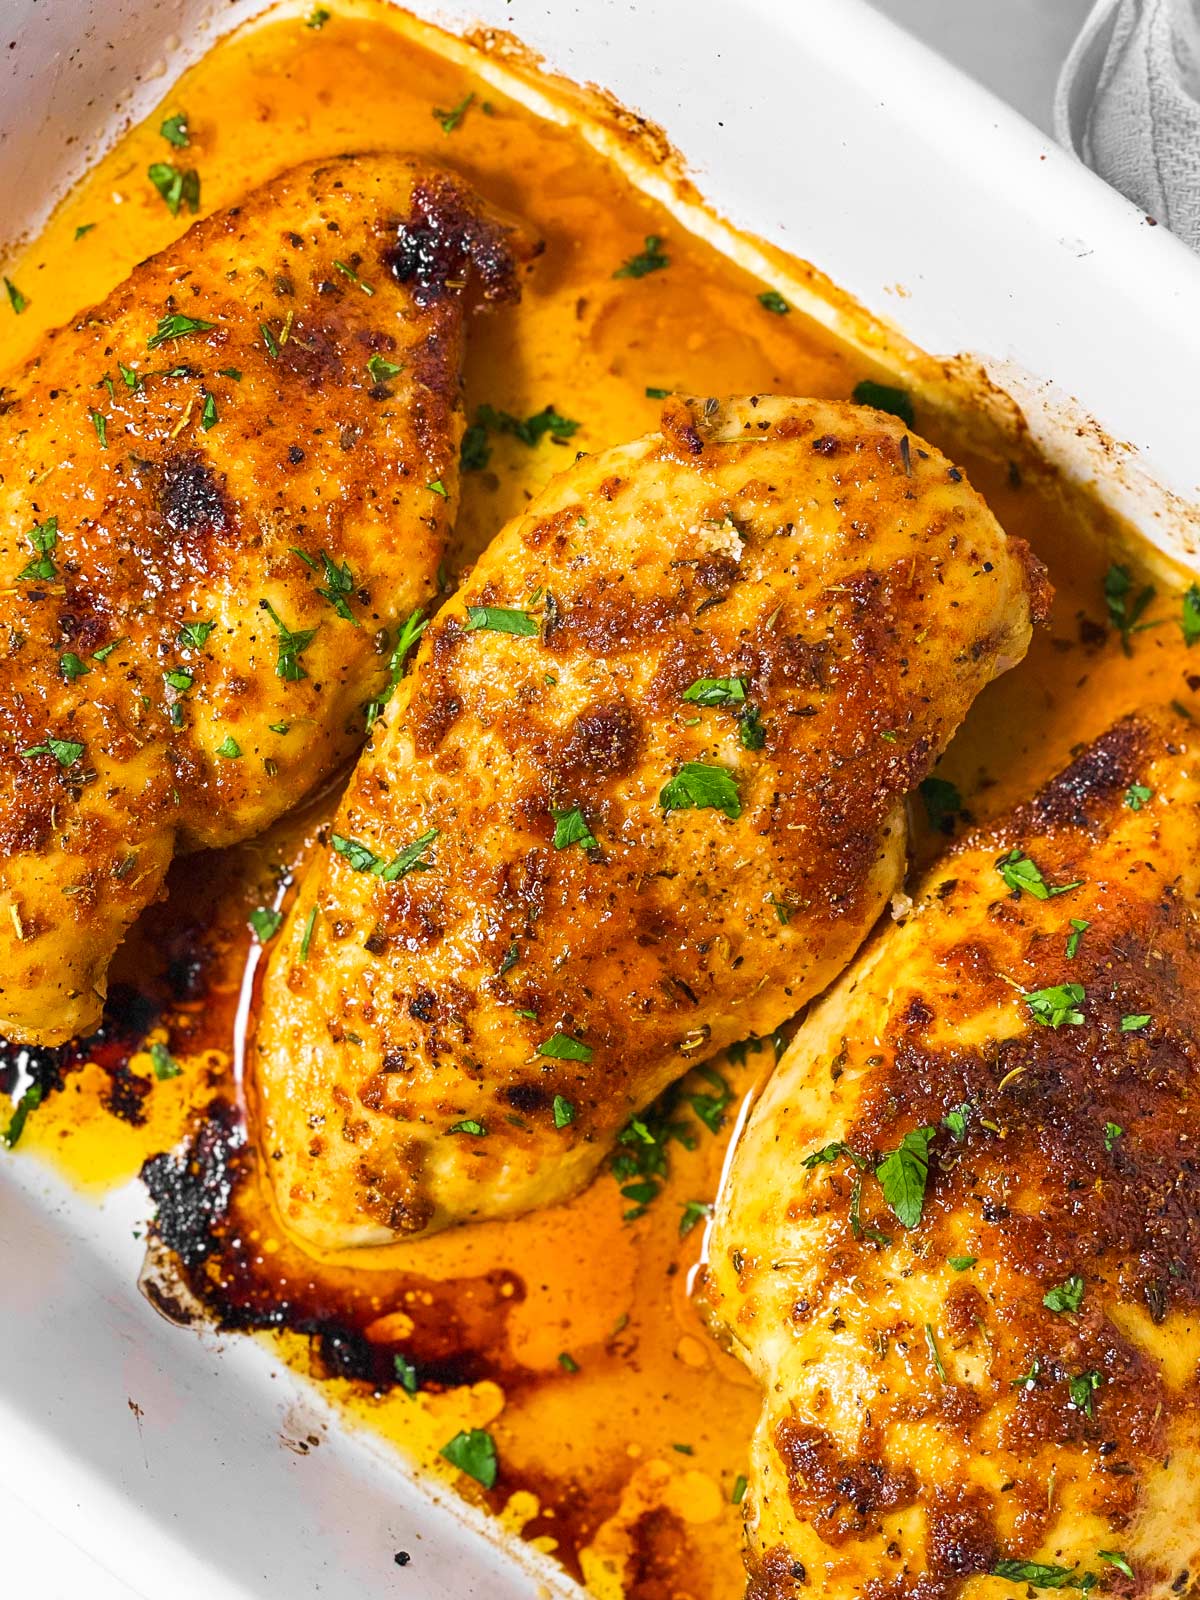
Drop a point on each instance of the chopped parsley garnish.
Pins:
(716, 691)
(409, 634)
(265, 922)
(1112, 1132)
(317, 18)
(380, 370)
(1116, 1558)
(175, 326)
(955, 1122)
(962, 1263)
(208, 414)
(1136, 796)
(230, 372)
(1134, 1021)
(474, 1452)
(562, 1047)
(750, 729)
(339, 582)
(694, 1211)
(697, 787)
(363, 859)
(229, 748)
(71, 666)
(1028, 1379)
(1038, 1573)
(164, 1063)
(1083, 1390)
(43, 538)
(1079, 926)
(406, 1374)
(65, 751)
(15, 298)
(269, 339)
(29, 1101)
(469, 1126)
(567, 1362)
(935, 1354)
(83, 230)
(772, 300)
(570, 828)
(650, 259)
(451, 119)
(656, 394)
(1189, 616)
(942, 803)
(1125, 608)
(179, 679)
(100, 423)
(1057, 1005)
(130, 376)
(351, 273)
(564, 1112)
(903, 1175)
(1067, 1296)
(306, 939)
(476, 452)
(740, 1485)
(500, 619)
(438, 487)
(195, 634)
(829, 1153)
(1021, 873)
(175, 130)
(292, 645)
(883, 397)
(177, 187)
(106, 650)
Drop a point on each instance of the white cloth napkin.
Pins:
(1128, 104)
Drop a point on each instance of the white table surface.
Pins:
(1016, 48)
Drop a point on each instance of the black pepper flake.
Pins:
(402, 1558)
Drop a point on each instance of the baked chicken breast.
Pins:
(220, 491)
(959, 1242)
(639, 798)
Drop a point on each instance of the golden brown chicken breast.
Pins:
(960, 1239)
(220, 492)
(639, 798)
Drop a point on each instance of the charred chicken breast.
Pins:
(220, 492)
(640, 797)
(959, 1243)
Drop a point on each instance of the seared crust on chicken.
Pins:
(640, 798)
(219, 491)
(984, 1377)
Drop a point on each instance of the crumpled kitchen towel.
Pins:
(1128, 104)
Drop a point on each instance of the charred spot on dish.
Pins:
(190, 499)
(444, 240)
(192, 1187)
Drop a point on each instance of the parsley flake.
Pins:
(1112, 1132)
(564, 1112)
(1021, 873)
(1066, 1296)
(65, 751)
(363, 859)
(292, 645)
(562, 1047)
(771, 300)
(451, 119)
(195, 634)
(716, 691)
(1134, 1021)
(29, 1101)
(903, 1175)
(1079, 926)
(500, 619)
(474, 1452)
(1041, 1575)
(175, 130)
(740, 1485)
(1116, 1558)
(71, 666)
(15, 298)
(469, 1126)
(962, 1263)
(697, 787)
(1136, 796)
(175, 326)
(883, 397)
(163, 1062)
(306, 939)
(43, 539)
(1125, 609)
(942, 803)
(177, 186)
(570, 828)
(1189, 617)
(100, 423)
(694, 1211)
(1059, 1004)
(406, 1374)
(1082, 1390)
(379, 370)
(208, 414)
(650, 259)
(229, 748)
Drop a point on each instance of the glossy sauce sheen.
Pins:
(643, 1509)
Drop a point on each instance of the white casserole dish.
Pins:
(827, 130)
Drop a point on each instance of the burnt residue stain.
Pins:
(128, 1016)
(446, 240)
(191, 1188)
